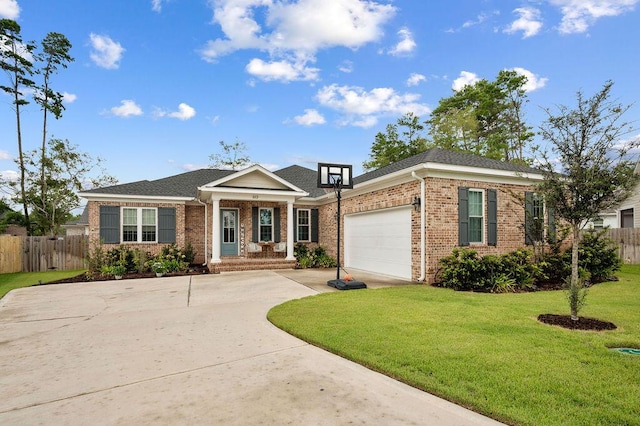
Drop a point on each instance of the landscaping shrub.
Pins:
(316, 258)
(517, 270)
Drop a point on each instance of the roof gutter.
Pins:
(423, 227)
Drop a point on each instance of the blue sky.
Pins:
(156, 84)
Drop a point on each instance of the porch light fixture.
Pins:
(337, 177)
(416, 203)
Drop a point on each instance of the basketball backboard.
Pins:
(335, 176)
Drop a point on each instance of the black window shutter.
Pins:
(166, 225)
(276, 225)
(255, 224)
(295, 225)
(492, 219)
(528, 218)
(551, 223)
(314, 226)
(110, 224)
(463, 216)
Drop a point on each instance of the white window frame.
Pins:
(483, 218)
(138, 225)
(307, 225)
(260, 225)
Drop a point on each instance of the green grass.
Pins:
(488, 352)
(15, 280)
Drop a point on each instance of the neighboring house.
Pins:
(399, 220)
(625, 215)
(79, 226)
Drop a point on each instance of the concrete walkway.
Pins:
(186, 350)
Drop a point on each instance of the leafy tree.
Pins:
(14, 60)
(233, 156)
(67, 171)
(54, 54)
(485, 118)
(596, 172)
(401, 140)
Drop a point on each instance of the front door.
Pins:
(228, 232)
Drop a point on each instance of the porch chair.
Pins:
(280, 247)
(254, 248)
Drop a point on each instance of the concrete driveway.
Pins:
(186, 350)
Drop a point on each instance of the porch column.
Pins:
(215, 232)
(290, 255)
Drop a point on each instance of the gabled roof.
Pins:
(443, 156)
(182, 185)
(303, 178)
(186, 185)
(80, 221)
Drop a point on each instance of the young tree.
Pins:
(67, 172)
(596, 171)
(233, 156)
(54, 54)
(15, 61)
(390, 147)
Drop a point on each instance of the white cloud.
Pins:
(281, 70)
(127, 108)
(184, 112)
(68, 98)
(4, 155)
(466, 78)
(415, 79)
(529, 22)
(362, 108)
(579, 15)
(406, 44)
(106, 53)
(346, 67)
(310, 117)
(9, 9)
(480, 19)
(156, 5)
(534, 82)
(9, 175)
(295, 29)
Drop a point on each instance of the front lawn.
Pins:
(488, 352)
(15, 280)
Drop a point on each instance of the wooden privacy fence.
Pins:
(628, 241)
(10, 254)
(35, 254)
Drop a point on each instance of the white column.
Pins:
(215, 232)
(290, 255)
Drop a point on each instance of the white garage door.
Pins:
(379, 242)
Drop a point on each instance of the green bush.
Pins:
(598, 260)
(464, 270)
(598, 255)
(316, 258)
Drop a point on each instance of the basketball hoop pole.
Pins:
(338, 176)
(337, 188)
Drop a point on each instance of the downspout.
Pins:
(205, 230)
(423, 230)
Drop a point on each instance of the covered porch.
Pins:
(252, 221)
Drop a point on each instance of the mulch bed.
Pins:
(193, 270)
(583, 323)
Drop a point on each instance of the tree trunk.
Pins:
(575, 278)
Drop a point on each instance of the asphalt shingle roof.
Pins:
(303, 178)
(186, 184)
(182, 185)
(443, 156)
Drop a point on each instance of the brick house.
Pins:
(399, 220)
